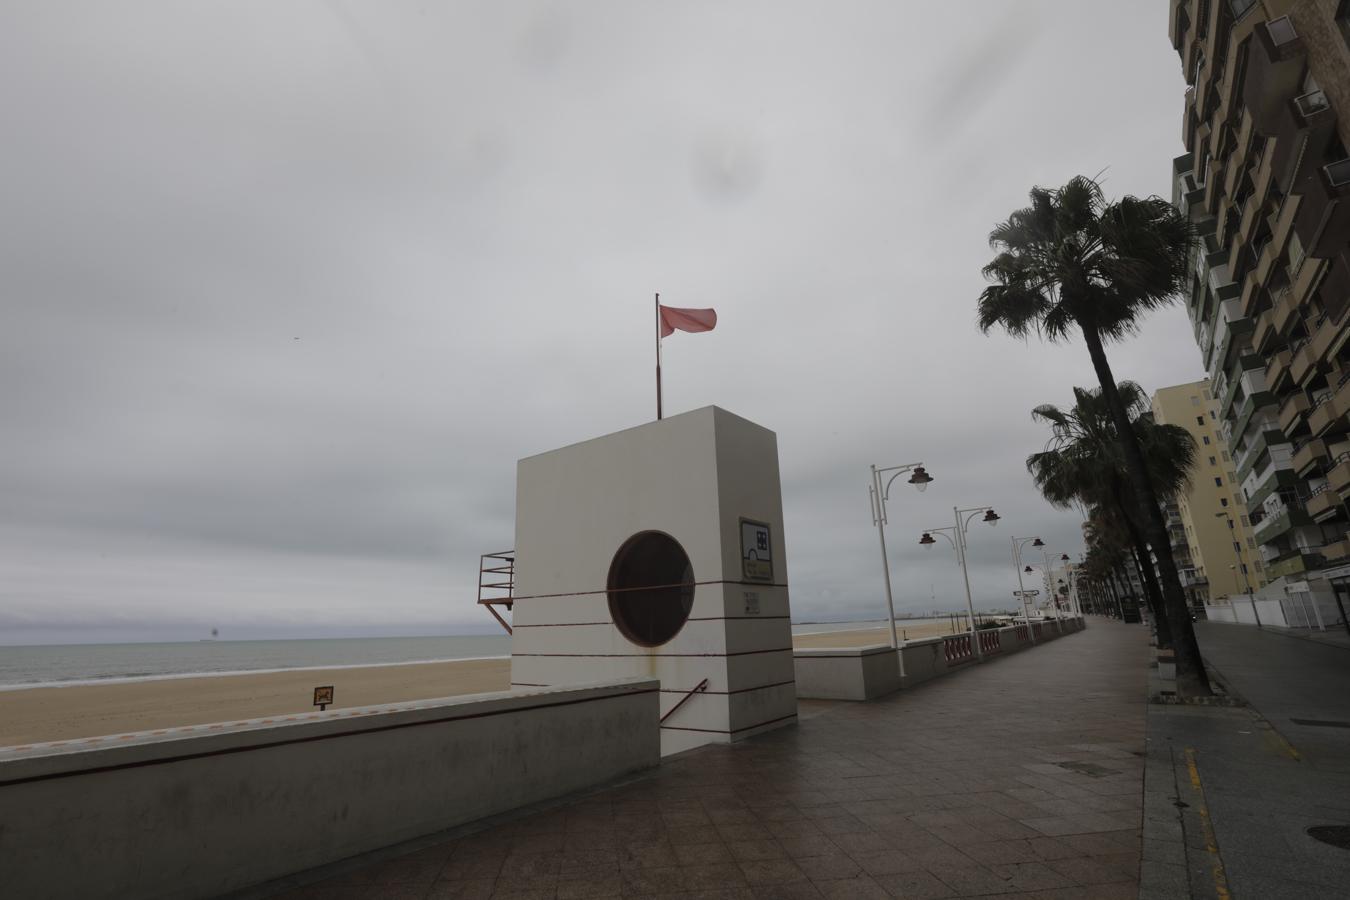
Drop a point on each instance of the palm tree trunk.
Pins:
(1151, 591)
(1192, 680)
(1122, 586)
(1115, 597)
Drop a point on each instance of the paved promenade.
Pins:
(1251, 781)
(1022, 777)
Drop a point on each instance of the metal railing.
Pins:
(497, 583)
(698, 688)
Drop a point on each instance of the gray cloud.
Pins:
(288, 289)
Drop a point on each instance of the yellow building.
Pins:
(1212, 540)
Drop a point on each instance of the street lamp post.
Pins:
(1050, 594)
(1238, 556)
(1017, 544)
(1071, 571)
(879, 492)
(958, 541)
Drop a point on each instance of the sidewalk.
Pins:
(1335, 635)
(1021, 777)
(1230, 793)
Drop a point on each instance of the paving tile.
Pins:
(863, 888)
(771, 871)
(972, 880)
(800, 890)
(1035, 876)
(585, 886)
(962, 786)
(711, 877)
(474, 889)
(915, 886)
(829, 868)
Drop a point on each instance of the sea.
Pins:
(73, 664)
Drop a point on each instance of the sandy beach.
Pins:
(86, 710)
(879, 635)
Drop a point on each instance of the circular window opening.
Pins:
(651, 588)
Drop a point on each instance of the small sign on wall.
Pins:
(752, 603)
(756, 551)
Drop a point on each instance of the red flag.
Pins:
(691, 320)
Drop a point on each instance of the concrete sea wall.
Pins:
(865, 673)
(140, 816)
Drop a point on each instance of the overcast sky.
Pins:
(289, 287)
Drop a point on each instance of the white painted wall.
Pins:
(199, 816)
(693, 477)
(865, 673)
(847, 673)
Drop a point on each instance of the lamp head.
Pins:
(1027, 569)
(927, 539)
(920, 479)
(1038, 543)
(991, 517)
(1064, 557)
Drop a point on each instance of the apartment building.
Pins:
(1266, 180)
(1209, 523)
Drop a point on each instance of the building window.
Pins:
(1205, 438)
(1199, 420)
(1245, 521)
(1237, 548)
(1213, 461)
(1218, 482)
(1230, 528)
(1223, 501)
(1251, 542)
(1244, 568)
(1195, 401)
(1258, 565)
(1224, 454)
(1211, 414)
(1206, 393)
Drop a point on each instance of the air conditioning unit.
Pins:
(1311, 103)
(1281, 31)
(1338, 173)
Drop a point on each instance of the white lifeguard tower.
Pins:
(658, 551)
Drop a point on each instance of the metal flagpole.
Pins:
(658, 357)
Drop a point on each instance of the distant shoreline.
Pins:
(131, 679)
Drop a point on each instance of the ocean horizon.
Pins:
(49, 665)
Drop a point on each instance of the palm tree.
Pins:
(1083, 464)
(1070, 262)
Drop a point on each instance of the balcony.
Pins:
(1263, 336)
(1306, 277)
(1338, 476)
(1310, 457)
(1293, 412)
(1328, 416)
(1304, 364)
(1301, 128)
(1337, 551)
(1274, 71)
(1290, 566)
(1324, 505)
(1323, 223)
(1282, 312)
(1277, 371)
(1192, 578)
(1326, 338)
(1274, 526)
